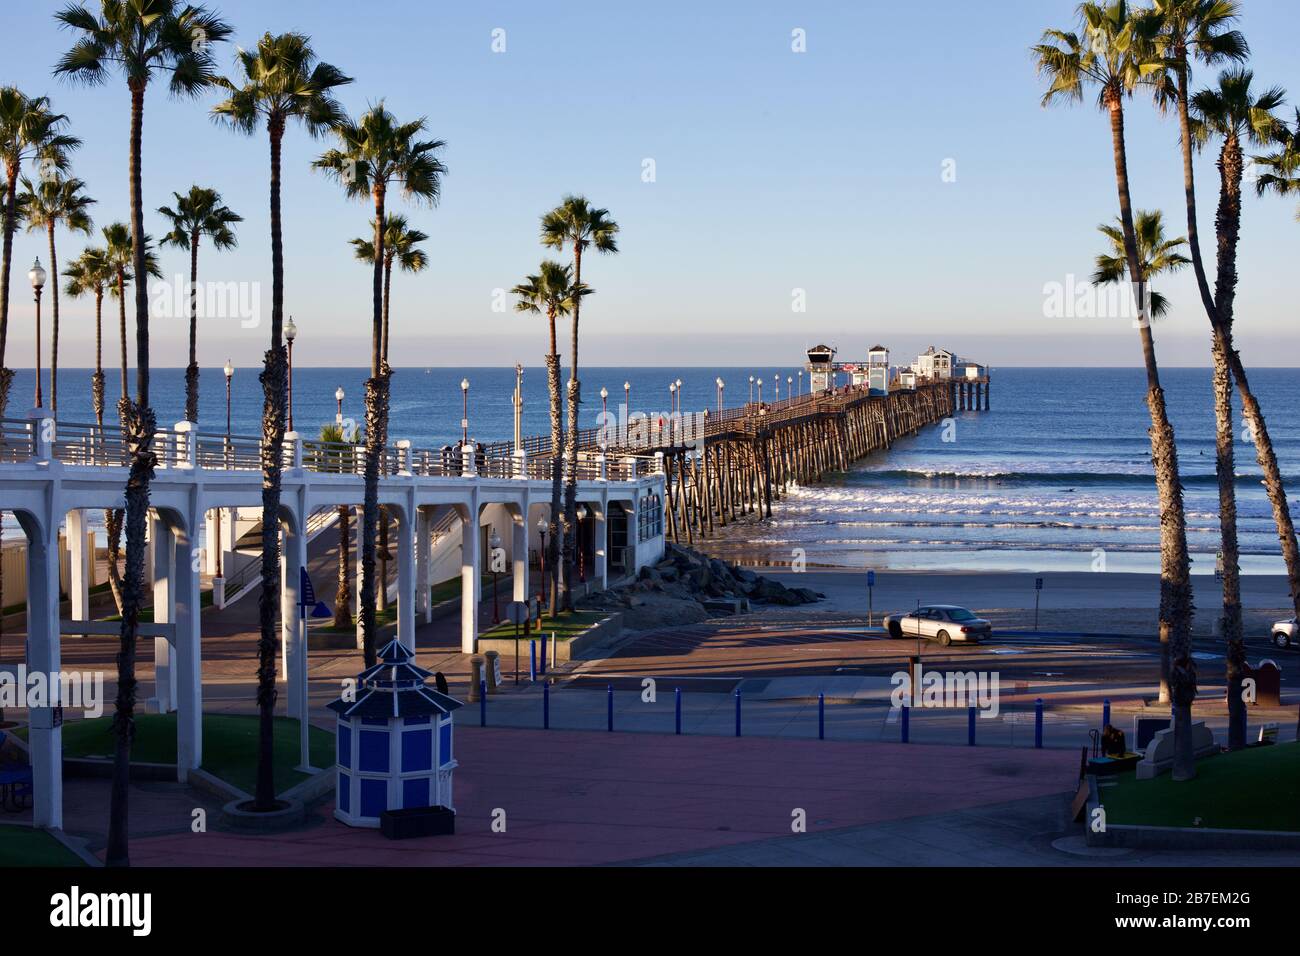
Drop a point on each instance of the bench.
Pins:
(15, 784)
(1159, 755)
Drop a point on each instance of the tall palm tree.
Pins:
(141, 39)
(374, 153)
(29, 131)
(281, 81)
(1283, 165)
(198, 213)
(575, 224)
(552, 292)
(334, 434)
(50, 202)
(1157, 254)
(400, 246)
(90, 274)
(1231, 112)
(1115, 51)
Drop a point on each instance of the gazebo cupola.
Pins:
(394, 745)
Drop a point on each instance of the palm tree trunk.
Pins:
(192, 370)
(140, 431)
(388, 286)
(381, 595)
(1224, 467)
(376, 437)
(343, 593)
(1178, 672)
(556, 573)
(274, 379)
(571, 543)
(121, 323)
(10, 224)
(54, 325)
(97, 379)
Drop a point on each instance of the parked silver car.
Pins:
(944, 623)
(1286, 633)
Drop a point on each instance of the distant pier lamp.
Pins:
(604, 402)
(494, 546)
(801, 381)
(290, 333)
(751, 390)
(776, 387)
(582, 569)
(394, 752)
(37, 277)
(788, 383)
(518, 401)
(627, 397)
(338, 415)
(464, 412)
(721, 385)
(760, 390)
(230, 373)
(672, 396)
(541, 561)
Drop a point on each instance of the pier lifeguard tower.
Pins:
(878, 370)
(821, 368)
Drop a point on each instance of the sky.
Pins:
(896, 181)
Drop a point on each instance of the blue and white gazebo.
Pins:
(394, 742)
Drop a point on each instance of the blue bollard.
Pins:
(482, 703)
(679, 711)
(903, 720)
(737, 713)
(1038, 723)
(532, 661)
(609, 707)
(821, 716)
(970, 726)
(543, 668)
(1105, 713)
(546, 705)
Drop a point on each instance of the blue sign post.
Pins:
(1038, 590)
(871, 583)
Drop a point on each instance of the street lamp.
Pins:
(494, 545)
(751, 390)
(581, 513)
(788, 382)
(672, 397)
(541, 561)
(604, 412)
(760, 390)
(37, 277)
(800, 381)
(464, 412)
(338, 415)
(229, 369)
(518, 401)
(290, 333)
(721, 385)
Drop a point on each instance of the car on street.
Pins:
(944, 623)
(1286, 633)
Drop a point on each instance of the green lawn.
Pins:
(450, 588)
(1254, 789)
(382, 619)
(229, 745)
(565, 626)
(23, 846)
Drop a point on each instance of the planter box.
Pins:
(417, 822)
(556, 651)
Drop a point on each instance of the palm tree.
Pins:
(1283, 165)
(282, 81)
(575, 224)
(198, 213)
(89, 274)
(334, 434)
(141, 38)
(28, 131)
(51, 202)
(553, 292)
(1157, 255)
(374, 153)
(400, 246)
(1116, 51)
(1233, 113)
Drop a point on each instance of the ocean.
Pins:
(1056, 476)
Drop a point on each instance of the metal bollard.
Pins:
(903, 721)
(679, 710)
(609, 707)
(532, 661)
(737, 713)
(1105, 713)
(970, 726)
(821, 716)
(1038, 723)
(482, 704)
(546, 705)
(543, 669)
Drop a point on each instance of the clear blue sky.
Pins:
(775, 171)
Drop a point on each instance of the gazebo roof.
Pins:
(394, 687)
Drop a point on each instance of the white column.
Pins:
(162, 559)
(599, 543)
(293, 626)
(470, 578)
(188, 668)
(45, 740)
(423, 558)
(406, 574)
(80, 556)
(519, 551)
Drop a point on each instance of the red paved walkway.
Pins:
(589, 797)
